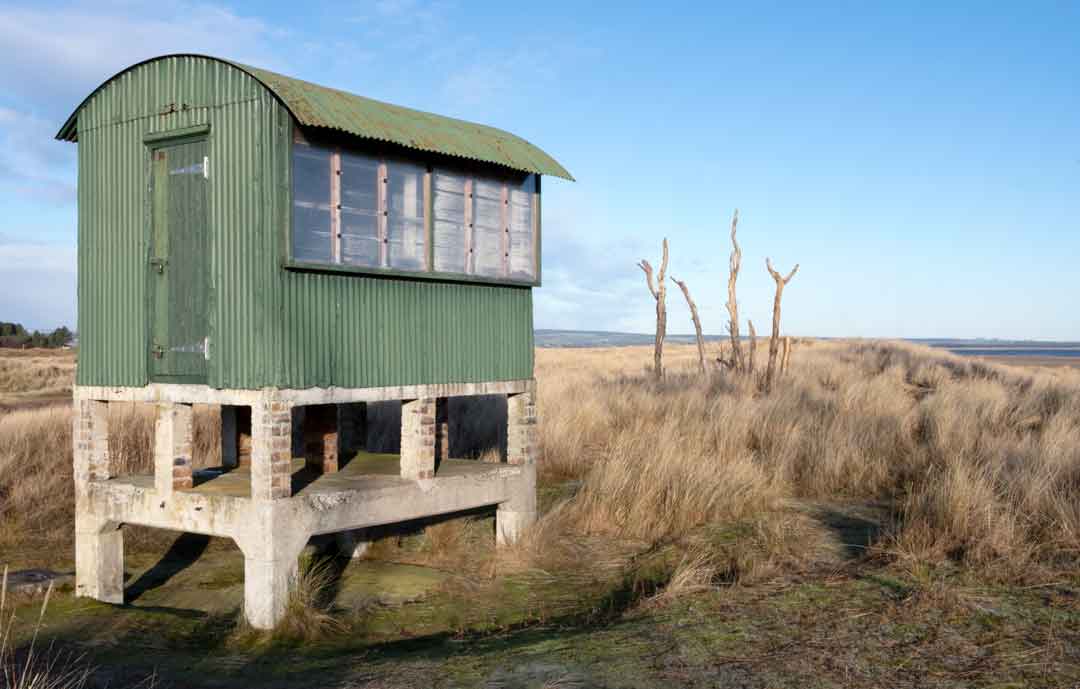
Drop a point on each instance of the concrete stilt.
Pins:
(519, 512)
(99, 559)
(271, 562)
(418, 438)
(173, 441)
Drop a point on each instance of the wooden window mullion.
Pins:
(504, 216)
(335, 206)
(429, 223)
(384, 215)
(469, 226)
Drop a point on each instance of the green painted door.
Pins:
(179, 349)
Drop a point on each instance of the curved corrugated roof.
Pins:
(319, 106)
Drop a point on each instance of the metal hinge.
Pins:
(206, 167)
(159, 263)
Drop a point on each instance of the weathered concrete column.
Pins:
(271, 448)
(271, 548)
(352, 429)
(418, 438)
(99, 558)
(442, 430)
(321, 438)
(173, 442)
(91, 442)
(519, 512)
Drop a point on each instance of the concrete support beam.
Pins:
(173, 442)
(91, 439)
(521, 428)
(418, 438)
(442, 430)
(271, 448)
(352, 429)
(99, 559)
(321, 438)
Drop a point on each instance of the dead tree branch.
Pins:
(697, 322)
(753, 347)
(659, 293)
(732, 303)
(774, 340)
(786, 356)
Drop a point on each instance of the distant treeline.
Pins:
(15, 335)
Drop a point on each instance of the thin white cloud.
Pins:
(37, 284)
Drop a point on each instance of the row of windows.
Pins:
(358, 210)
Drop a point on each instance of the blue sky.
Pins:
(921, 163)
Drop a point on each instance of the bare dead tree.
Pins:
(659, 292)
(697, 322)
(753, 347)
(786, 355)
(732, 303)
(774, 340)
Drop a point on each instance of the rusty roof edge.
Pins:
(547, 165)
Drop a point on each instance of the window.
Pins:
(484, 226)
(354, 209)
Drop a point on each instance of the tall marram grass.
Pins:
(980, 463)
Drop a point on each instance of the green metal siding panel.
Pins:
(268, 326)
(356, 331)
(114, 212)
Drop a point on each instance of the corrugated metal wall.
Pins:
(268, 326)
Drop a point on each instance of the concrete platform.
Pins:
(365, 471)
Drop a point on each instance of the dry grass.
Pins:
(976, 463)
(37, 490)
(980, 463)
(41, 371)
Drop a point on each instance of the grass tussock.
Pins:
(979, 463)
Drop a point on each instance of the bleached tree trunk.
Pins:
(734, 263)
(659, 292)
(774, 340)
(786, 356)
(697, 323)
(753, 347)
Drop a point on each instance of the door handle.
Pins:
(160, 264)
(158, 351)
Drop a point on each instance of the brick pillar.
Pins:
(521, 428)
(321, 438)
(418, 438)
(271, 448)
(173, 441)
(352, 429)
(91, 442)
(442, 430)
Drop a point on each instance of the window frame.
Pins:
(428, 163)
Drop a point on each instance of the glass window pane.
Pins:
(522, 250)
(488, 228)
(449, 222)
(405, 223)
(311, 204)
(359, 210)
